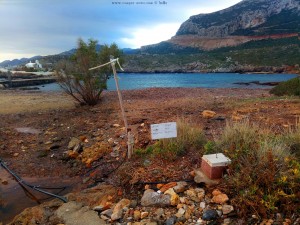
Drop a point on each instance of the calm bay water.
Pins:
(129, 81)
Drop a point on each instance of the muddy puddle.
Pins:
(14, 199)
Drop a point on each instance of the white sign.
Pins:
(163, 130)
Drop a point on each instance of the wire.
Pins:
(34, 187)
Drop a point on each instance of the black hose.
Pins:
(36, 188)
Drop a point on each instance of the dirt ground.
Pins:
(36, 127)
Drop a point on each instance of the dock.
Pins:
(26, 82)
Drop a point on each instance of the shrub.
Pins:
(75, 78)
(264, 177)
(290, 87)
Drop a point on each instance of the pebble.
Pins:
(171, 221)
(226, 209)
(4, 182)
(137, 215)
(210, 214)
(144, 215)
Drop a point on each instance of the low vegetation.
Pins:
(188, 138)
(264, 176)
(290, 87)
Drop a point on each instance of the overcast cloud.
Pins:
(44, 27)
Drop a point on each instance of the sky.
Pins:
(45, 27)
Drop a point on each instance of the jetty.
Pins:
(26, 82)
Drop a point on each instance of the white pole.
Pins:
(130, 137)
(119, 95)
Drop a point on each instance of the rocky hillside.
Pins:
(249, 20)
(251, 36)
(249, 17)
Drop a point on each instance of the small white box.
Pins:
(214, 165)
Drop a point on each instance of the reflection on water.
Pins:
(14, 199)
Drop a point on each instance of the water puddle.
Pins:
(14, 199)
(28, 130)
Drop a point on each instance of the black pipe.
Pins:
(37, 188)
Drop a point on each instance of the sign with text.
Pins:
(163, 130)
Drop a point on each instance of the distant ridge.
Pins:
(246, 21)
(51, 59)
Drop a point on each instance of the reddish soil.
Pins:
(45, 154)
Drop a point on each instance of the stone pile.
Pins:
(172, 203)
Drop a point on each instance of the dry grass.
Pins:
(21, 102)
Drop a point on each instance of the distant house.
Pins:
(35, 65)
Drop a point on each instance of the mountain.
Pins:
(252, 35)
(249, 20)
(52, 59)
(16, 62)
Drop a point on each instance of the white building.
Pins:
(35, 65)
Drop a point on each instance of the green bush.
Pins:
(290, 87)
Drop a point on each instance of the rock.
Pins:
(200, 193)
(174, 196)
(116, 125)
(137, 215)
(180, 187)
(159, 213)
(208, 114)
(200, 177)
(98, 208)
(167, 186)
(73, 154)
(73, 213)
(180, 212)
(227, 221)
(118, 209)
(16, 154)
(171, 221)
(216, 192)
(54, 147)
(188, 212)
(133, 203)
(192, 194)
(219, 197)
(226, 209)
(144, 215)
(210, 214)
(152, 198)
(107, 212)
(202, 205)
(73, 142)
(4, 182)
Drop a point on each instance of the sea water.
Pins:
(129, 81)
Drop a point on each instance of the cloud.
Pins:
(150, 35)
(33, 27)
